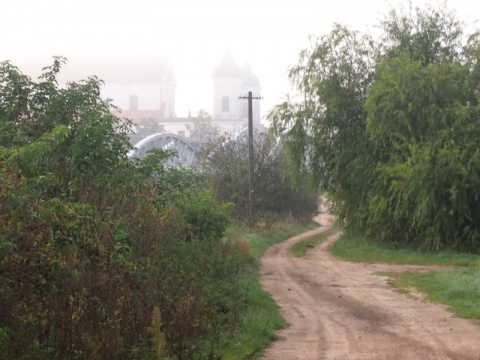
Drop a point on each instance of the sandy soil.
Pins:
(342, 310)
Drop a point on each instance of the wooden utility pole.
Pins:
(251, 175)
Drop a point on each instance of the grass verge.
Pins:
(458, 288)
(261, 317)
(259, 242)
(361, 249)
(300, 248)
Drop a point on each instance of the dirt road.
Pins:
(342, 310)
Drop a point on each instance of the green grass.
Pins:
(261, 318)
(361, 249)
(300, 248)
(259, 323)
(259, 242)
(458, 288)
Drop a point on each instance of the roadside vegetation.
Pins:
(362, 249)
(389, 128)
(259, 243)
(105, 256)
(459, 289)
(224, 161)
(261, 318)
(457, 286)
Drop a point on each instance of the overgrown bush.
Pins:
(389, 128)
(224, 162)
(101, 256)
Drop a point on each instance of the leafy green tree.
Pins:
(66, 135)
(225, 165)
(429, 35)
(324, 133)
(389, 128)
(422, 120)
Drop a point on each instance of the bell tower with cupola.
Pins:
(227, 87)
(230, 82)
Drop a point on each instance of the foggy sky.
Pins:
(115, 70)
(123, 41)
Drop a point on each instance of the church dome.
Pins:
(227, 69)
(249, 78)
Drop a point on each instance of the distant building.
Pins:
(144, 90)
(229, 83)
(229, 113)
(164, 87)
(155, 81)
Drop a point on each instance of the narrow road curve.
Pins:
(342, 310)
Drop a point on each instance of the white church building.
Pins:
(229, 83)
(132, 82)
(228, 112)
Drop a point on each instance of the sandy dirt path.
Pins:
(342, 310)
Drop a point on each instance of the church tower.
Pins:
(167, 93)
(230, 82)
(227, 87)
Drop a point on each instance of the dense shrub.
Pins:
(224, 161)
(102, 256)
(389, 128)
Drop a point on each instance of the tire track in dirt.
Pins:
(341, 310)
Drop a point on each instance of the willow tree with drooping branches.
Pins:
(388, 128)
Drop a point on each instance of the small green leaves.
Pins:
(389, 128)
